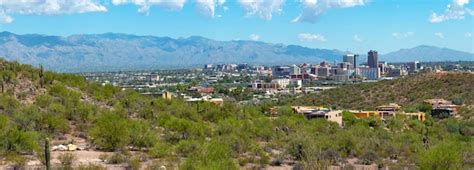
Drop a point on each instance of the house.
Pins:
(442, 108)
(437, 102)
(421, 116)
(364, 114)
(205, 90)
(389, 110)
(311, 112)
(207, 98)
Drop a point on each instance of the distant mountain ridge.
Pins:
(115, 51)
(112, 51)
(427, 53)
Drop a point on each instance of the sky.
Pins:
(353, 25)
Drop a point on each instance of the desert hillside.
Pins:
(106, 127)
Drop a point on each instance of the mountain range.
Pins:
(427, 53)
(113, 52)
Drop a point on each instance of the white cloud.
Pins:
(303, 37)
(454, 11)
(468, 34)
(262, 8)
(461, 2)
(4, 18)
(439, 35)
(47, 7)
(402, 35)
(312, 9)
(357, 38)
(208, 7)
(173, 5)
(254, 37)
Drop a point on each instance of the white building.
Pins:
(369, 73)
(280, 83)
(295, 70)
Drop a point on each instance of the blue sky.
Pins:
(354, 25)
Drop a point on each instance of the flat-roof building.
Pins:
(313, 112)
(352, 59)
(373, 59)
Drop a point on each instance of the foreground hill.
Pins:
(122, 129)
(408, 91)
(427, 53)
(115, 52)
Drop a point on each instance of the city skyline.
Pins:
(315, 24)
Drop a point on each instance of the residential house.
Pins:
(311, 112)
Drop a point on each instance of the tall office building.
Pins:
(351, 58)
(323, 71)
(295, 70)
(373, 59)
(414, 66)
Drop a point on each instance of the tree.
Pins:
(442, 156)
(13, 140)
(181, 87)
(110, 132)
(143, 135)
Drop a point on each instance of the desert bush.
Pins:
(66, 160)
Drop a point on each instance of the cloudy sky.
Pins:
(355, 25)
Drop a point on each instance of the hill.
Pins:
(117, 128)
(427, 53)
(408, 91)
(113, 52)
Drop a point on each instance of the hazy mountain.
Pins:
(427, 53)
(112, 51)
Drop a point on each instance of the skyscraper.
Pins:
(351, 58)
(373, 59)
(414, 66)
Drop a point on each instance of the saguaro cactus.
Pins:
(47, 154)
(41, 75)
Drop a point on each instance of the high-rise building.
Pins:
(351, 58)
(414, 66)
(323, 71)
(295, 70)
(373, 59)
(208, 66)
(281, 71)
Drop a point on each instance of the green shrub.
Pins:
(104, 157)
(110, 132)
(116, 158)
(66, 160)
(442, 156)
(213, 155)
(134, 164)
(160, 150)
